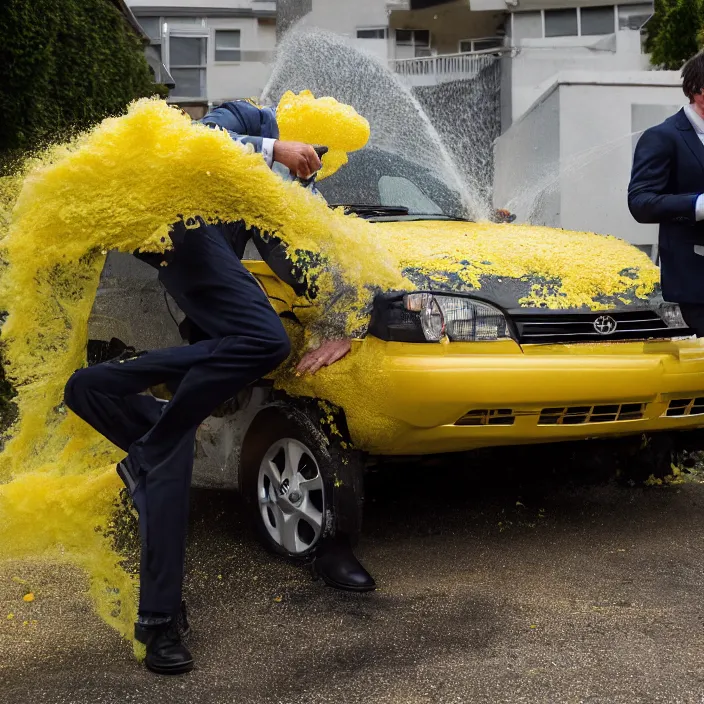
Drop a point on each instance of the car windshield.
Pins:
(381, 186)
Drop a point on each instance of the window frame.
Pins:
(563, 11)
(215, 46)
(500, 44)
(385, 30)
(184, 33)
(615, 27)
(414, 44)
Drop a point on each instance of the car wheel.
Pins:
(288, 472)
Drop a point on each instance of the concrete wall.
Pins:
(596, 149)
(567, 161)
(538, 61)
(527, 164)
(346, 16)
(246, 78)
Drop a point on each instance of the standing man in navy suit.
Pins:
(667, 187)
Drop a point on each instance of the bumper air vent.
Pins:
(685, 407)
(581, 415)
(497, 416)
(556, 326)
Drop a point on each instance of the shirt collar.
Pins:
(696, 121)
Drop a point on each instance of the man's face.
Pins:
(698, 101)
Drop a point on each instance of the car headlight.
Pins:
(430, 317)
(671, 315)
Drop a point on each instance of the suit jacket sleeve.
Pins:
(649, 199)
(222, 118)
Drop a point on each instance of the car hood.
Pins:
(522, 266)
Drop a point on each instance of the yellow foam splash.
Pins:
(305, 118)
(119, 186)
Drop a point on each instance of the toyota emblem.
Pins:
(605, 325)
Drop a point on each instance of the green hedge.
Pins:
(65, 64)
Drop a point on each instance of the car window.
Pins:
(376, 177)
(397, 190)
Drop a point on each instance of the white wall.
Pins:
(596, 149)
(346, 16)
(538, 61)
(582, 184)
(527, 162)
(224, 80)
(247, 78)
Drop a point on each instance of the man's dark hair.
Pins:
(693, 76)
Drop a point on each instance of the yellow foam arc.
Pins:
(119, 187)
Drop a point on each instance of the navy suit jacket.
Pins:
(245, 122)
(667, 178)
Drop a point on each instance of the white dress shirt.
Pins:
(268, 150)
(698, 125)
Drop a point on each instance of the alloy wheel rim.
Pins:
(291, 495)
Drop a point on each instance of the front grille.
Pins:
(496, 416)
(555, 326)
(579, 415)
(685, 407)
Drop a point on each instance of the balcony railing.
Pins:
(429, 70)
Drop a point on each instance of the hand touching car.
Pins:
(327, 353)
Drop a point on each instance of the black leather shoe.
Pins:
(166, 654)
(337, 566)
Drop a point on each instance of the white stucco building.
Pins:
(566, 162)
(215, 50)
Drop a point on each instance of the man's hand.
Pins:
(328, 353)
(300, 159)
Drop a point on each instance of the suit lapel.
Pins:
(690, 137)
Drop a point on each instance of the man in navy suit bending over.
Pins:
(667, 187)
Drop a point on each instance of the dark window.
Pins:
(227, 45)
(187, 51)
(190, 82)
(561, 23)
(371, 33)
(482, 44)
(598, 20)
(422, 37)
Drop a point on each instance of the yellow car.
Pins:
(443, 368)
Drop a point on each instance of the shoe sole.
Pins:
(180, 669)
(345, 587)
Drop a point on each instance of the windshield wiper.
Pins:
(369, 211)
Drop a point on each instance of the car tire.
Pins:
(289, 476)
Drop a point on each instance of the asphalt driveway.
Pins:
(496, 586)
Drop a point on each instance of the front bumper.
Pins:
(423, 391)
